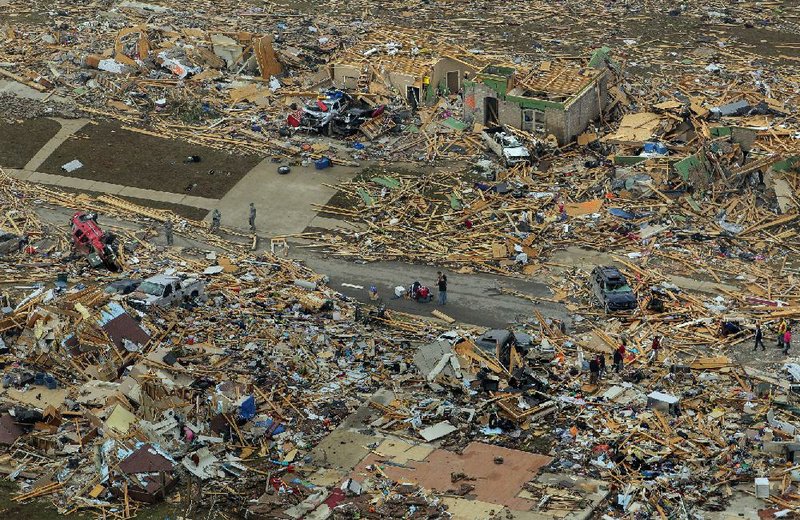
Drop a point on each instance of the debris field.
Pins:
(642, 163)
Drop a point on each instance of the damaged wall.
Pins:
(564, 121)
(584, 108)
(445, 65)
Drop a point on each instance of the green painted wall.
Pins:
(540, 104)
(496, 83)
(719, 131)
(684, 167)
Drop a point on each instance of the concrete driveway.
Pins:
(283, 202)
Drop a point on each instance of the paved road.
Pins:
(472, 298)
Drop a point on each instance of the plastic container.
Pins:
(321, 164)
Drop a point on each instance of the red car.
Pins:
(89, 240)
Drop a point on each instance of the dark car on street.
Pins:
(610, 290)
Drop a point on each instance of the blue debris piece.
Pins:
(247, 410)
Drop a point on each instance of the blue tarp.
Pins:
(621, 213)
(109, 312)
(273, 428)
(247, 410)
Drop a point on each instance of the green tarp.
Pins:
(365, 196)
(389, 182)
(455, 124)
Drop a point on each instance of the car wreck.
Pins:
(506, 146)
(334, 112)
(163, 290)
(90, 241)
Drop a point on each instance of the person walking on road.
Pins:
(168, 231)
(216, 218)
(252, 219)
(759, 338)
(442, 282)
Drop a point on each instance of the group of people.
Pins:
(597, 366)
(419, 292)
(784, 336)
(216, 219)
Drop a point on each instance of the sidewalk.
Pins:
(111, 189)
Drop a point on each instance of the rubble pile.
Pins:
(515, 222)
(232, 76)
(251, 383)
(225, 388)
(227, 81)
(229, 382)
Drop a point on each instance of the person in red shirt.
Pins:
(656, 348)
(787, 340)
(619, 356)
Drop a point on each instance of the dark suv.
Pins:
(610, 289)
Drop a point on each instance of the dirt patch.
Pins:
(19, 142)
(188, 212)
(111, 154)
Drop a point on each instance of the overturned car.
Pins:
(334, 112)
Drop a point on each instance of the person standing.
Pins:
(782, 327)
(594, 370)
(442, 282)
(759, 338)
(252, 219)
(787, 340)
(602, 361)
(619, 356)
(216, 218)
(617, 361)
(656, 348)
(168, 231)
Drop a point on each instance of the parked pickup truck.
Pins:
(505, 145)
(165, 289)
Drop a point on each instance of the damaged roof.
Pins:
(146, 460)
(119, 325)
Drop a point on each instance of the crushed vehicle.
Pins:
(505, 145)
(488, 340)
(610, 290)
(333, 112)
(99, 247)
(163, 290)
(501, 342)
(122, 287)
(9, 242)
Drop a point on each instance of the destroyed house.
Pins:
(558, 98)
(401, 63)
